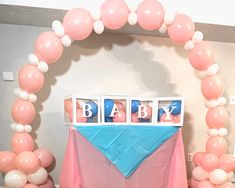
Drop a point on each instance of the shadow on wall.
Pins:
(107, 41)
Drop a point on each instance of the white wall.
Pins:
(211, 12)
(108, 64)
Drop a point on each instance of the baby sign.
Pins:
(122, 110)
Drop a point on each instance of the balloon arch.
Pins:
(26, 167)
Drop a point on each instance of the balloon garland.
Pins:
(26, 167)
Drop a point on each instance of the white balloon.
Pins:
(98, 27)
(213, 69)
(66, 41)
(222, 101)
(33, 59)
(17, 92)
(56, 23)
(211, 103)
(214, 103)
(19, 128)
(199, 173)
(230, 176)
(169, 18)
(197, 37)
(32, 98)
(27, 128)
(57, 27)
(38, 177)
(15, 179)
(96, 15)
(212, 132)
(132, 18)
(163, 28)
(189, 45)
(59, 32)
(24, 95)
(42, 67)
(218, 176)
(13, 126)
(223, 132)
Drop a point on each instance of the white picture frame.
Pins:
(115, 97)
(142, 99)
(157, 102)
(74, 101)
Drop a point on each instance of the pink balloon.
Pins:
(23, 112)
(22, 142)
(150, 14)
(47, 184)
(120, 118)
(205, 184)
(30, 185)
(198, 157)
(177, 119)
(48, 47)
(7, 161)
(114, 14)
(167, 118)
(30, 79)
(216, 145)
(134, 118)
(68, 105)
(44, 156)
(201, 56)
(193, 183)
(80, 118)
(27, 162)
(217, 117)
(120, 106)
(209, 162)
(78, 24)
(71, 116)
(227, 163)
(212, 87)
(226, 185)
(182, 29)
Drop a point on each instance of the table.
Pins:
(85, 166)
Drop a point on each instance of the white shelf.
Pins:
(201, 11)
(43, 17)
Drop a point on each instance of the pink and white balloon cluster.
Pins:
(23, 165)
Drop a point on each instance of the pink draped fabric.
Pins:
(70, 176)
(177, 174)
(85, 167)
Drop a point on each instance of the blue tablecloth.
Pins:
(127, 146)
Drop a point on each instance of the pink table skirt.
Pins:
(85, 167)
